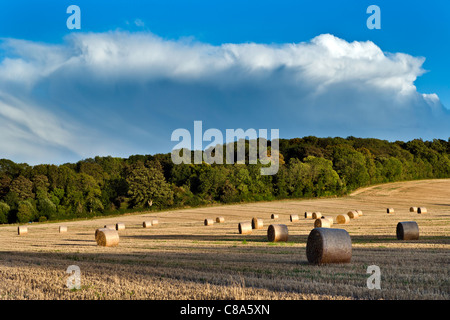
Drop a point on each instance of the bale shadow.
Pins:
(226, 238)
(193, 237)
(80, 240)
(392, 238)
(77, 245)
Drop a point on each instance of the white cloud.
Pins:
(139, 23)
(133, 89)
(326, 59)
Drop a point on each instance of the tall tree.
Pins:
(4, 211)
(147, 186)
(23, 187)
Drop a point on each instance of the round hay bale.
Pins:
(353, 214)
(277, 233)
(146, 224)
(294, 217)
(220, 219)
(110, 226)
(62, 229)
(107, 237)
(390, 210)
(97, 231)
(209, 222)
(407, 230)
(330, 219)
(257, 223)
(274, 216)
(322, 223)
(413, 209)
(21, 230)
(422, 210)
(326, 245)
(342, 219)
(308, 215)
(245, 227)
(155, 222)
(120, 226)
(316, 215)
(360, 213)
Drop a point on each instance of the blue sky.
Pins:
(263, 99)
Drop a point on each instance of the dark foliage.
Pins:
(309, 167)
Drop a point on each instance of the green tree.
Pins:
(91, 192)
(56, 195)
(4, 211)
(351, 166)
(228, 192)
(26, 211)
(392, 169)
(325, 179)
(40, 186)
(5, 182)
(47, 208)
(147, 186)
(23, 187)
(280, 182)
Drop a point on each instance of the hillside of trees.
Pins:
(309, 167)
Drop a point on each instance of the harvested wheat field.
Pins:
(180, 258)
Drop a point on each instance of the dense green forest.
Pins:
(309, 167)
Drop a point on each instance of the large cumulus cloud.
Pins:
(121, 93)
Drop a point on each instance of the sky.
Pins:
(138, 70)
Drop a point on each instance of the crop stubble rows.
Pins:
(183, 259)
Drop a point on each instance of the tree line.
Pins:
(309, 167)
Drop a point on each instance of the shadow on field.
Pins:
(106, 271)
(78, 245)
(207, 237)
(356, 239)
(367, 239)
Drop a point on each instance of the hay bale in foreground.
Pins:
(257, 223)
(209, 222)
(21, 230)
(293, 217)
(277, 233)
(422, 210)
(325, 245)
(322, 223)
(274, 216)
(245, 227)
(353, 214)
(107, 237)
(120, 226)
(407, 230)
(390, 210)
(308, 215)
(62, 229)
(316, 215)
(220, 219)
(413, 209)
(146, 224)
(342, 219)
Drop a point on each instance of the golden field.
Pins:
(181, 258)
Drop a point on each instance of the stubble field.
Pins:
(180, 258)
